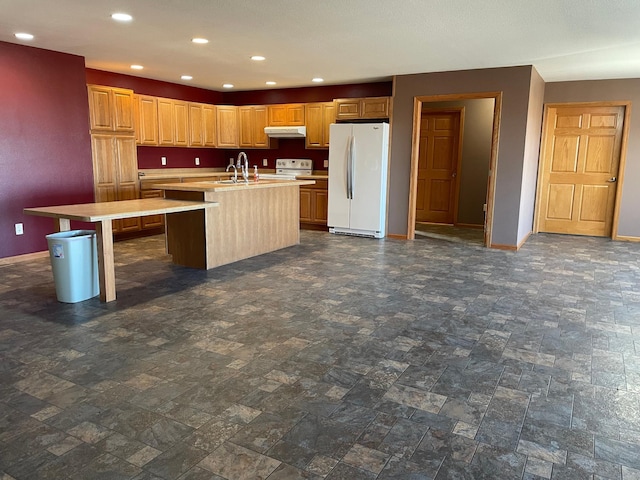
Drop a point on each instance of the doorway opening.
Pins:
(453, 160)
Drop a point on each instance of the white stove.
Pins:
(289, 168)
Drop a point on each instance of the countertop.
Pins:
(154, 175)
(212, 186)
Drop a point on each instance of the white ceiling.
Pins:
(342, 41)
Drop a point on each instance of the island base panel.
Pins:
(248, 223)
(186, 240)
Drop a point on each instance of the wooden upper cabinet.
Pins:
(361, 108)
(245, 116)
(253, 119)
(146, 116)
(209, 125)
(181, 125)
(288, 114)
(196, 125)
(110, 109)
(318, 117)
(166, 133)
(227, 126)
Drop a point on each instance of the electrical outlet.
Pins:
(19, 229)
(326, 164)
(197, 161)
(163, 160)
(265, 162)
(231, 162)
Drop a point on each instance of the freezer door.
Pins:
(371, 153)
(339, 203)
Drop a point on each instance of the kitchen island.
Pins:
(253, 218)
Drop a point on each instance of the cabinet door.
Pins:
(123, 110)
(374, 107)
(348, 108)
(146, 120)
(315, 127)
(305, 205)
(127, 176)
(181, 126)
(277, 115)
(329, 117)
(165, 122)
(196, 125)
(245, 115)
(209, 125)
(320, 206)
(105, 180)
(100, 108)
(295, 114)
(227, 126)
(260, 119)
(152, 221)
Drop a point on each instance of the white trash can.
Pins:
(74, 262)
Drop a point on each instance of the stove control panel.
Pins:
(294, 163)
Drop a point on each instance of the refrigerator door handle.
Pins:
(353, 162)
(349, 168)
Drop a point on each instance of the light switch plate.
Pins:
(265, 162)
(19, 229)
(163, 160)
(326, 164)
(197, 161)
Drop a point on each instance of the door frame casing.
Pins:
(460, 111)
(418, 102)
(623, 157)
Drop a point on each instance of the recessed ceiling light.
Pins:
(270, 82)
(137, 67)
(24, 36)
(199, 40)
(257, 58)
(122, 17)
(186, 77)
(317, 80)
(227, 85)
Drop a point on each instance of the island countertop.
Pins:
(216, 186)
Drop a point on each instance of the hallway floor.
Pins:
(340, 358)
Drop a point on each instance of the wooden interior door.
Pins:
(580, 162)
(438, 164)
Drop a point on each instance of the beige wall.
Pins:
(531, 156)
(476, 156)
(515, 85)
(612, 90)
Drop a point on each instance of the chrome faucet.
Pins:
(235, 172)
(243, 165)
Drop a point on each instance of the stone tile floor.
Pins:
(340, 358)
(467, 235)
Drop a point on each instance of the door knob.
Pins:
(454, 174)
(612, 180)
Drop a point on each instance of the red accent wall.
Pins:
(156, 88)
(309, 94)
(45, 147)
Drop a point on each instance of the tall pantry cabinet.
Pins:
(113, 148)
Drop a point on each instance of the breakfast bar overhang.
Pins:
(102, 213)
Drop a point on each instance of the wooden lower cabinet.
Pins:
(152, 222)
(314, 200)
(115, 173)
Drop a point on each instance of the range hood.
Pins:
(286, 132)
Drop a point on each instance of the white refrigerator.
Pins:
(358, 166)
